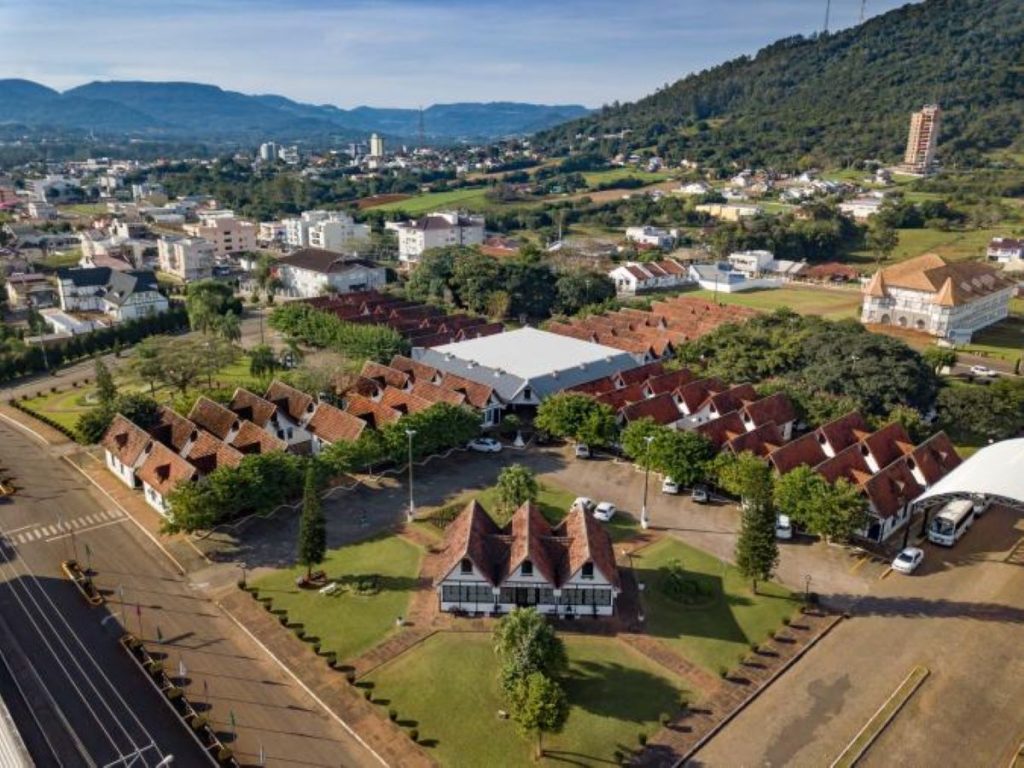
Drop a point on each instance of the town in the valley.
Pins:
(683, 430)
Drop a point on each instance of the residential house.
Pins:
(1006, 250)
(312, 272)
(651, 237)
(189, 258)
(568, 570)
(436, 230)
(950, 300)
(160, 473)
(126, 447)
(721, 277)
(329, 425)
(294, 408)
(227, 234)
(634, 277)
(119, 295)
(29, 289)
(861, 208)
(752, 263)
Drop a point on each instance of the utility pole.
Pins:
(644, 522)
(828, 10)
(862, 4)
(411, 514)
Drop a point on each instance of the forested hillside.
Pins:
(837, 98)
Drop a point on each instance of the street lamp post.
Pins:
(411, 512)
(644, 522)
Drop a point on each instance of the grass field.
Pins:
(470, 199)
(60, 259)
(717, 633)
(66, 407)
(447, 688)
(1004, 340)
(346, 622)
(954, 245)
(807, 300)
(85, 209)
(594, 178)
(554, 502)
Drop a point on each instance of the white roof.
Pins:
(529, 352)
(995, 470)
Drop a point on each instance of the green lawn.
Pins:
(714, 633)
(85, 209)
(554, 502)
(348, 623)
(66, 407)
(447, 688)
(955, 245)
(594, 178)
(59, 259)
(828, 302)
(1004, 340)
(470, 198)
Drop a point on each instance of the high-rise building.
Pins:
(376, 146)
(268, 152)
(924, 134)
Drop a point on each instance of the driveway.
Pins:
(962, 616)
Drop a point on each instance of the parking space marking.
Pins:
(885, 573)
(859, 564)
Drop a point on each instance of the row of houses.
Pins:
(656, 332)
(422, 325)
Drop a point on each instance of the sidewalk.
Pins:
(49, 435)
(368, 720)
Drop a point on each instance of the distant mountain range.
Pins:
(195, 111)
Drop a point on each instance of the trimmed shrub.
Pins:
(392, 715)
(641, 739)
(414, 734)
(368, 694)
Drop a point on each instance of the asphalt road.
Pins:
(91, 703)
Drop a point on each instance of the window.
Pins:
(527, 568)
(588, 571)
(467, 566)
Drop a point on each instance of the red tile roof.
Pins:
(588, 542)
(403, 402)
(477, 395)
(251, 406)
(435, 394)
(661, 408)
(891, 488)
(723, 429)
(384, 374)
(207, 453)
(694, 394)
(173, 430)
(529, 531)
(777, 408)
(295, 404)
(732, 399)
(845, 431)
(760, 442)
(619, 398)
(213, 417)
(375, 414)
(125, 440)
(804, 450)
(641, 373)
(889, 443)
(935, 457)
(669, 382)
(163, 469)
(848, 463)
(332, 424)
(252, 440)
(468, 537)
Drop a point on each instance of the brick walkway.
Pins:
(368, 720)
(679, 738)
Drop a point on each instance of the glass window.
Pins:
(467, 566)
(527, 568)
(588, 571)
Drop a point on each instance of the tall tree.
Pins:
(516, 485)
(229, 327)
(524, 643)
(262, 361)
(757, 552)
(882, 239)
(312, 525)
(539, 706)
(106, 389)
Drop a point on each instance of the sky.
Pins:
(402, 53)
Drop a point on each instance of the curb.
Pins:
(753, 697)
(302, 685)
(23, 428)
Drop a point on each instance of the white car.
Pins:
(485, 445)
(981, 503)
(583, 502)
(605, 511)
(670, 486)
(908, 560)
(582, 451)
(983, 371)
(699, 495)
(783, 528)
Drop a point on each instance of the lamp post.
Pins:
(644, 522)
(410, 514)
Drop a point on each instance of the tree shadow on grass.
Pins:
(609, 689)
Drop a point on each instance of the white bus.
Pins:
(951, 522)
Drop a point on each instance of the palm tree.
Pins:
(230, 327)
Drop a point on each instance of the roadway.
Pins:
(77, 699)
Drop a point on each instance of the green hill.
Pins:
(833, 99)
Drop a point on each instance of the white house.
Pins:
(327, 230)
(950, 300)
(162, 470)
(119, 295)
(752, 263)
(190, 258)
(436, 230)
(294, 409)
(861, 208)
(722, 278)
(695, 188)
(1006, 250)
(568, 570)
(634, 277)
(653, 237)
(312, 272)
(126, 446)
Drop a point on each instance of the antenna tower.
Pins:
(828, 11)
(863, 3)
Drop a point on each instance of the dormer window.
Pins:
(466, 567)
(527, 568)
(588, 571)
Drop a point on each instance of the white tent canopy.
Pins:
(995, 470)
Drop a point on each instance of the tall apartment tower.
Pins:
(924, 133)
(376, 146)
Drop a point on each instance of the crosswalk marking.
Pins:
(51, 532)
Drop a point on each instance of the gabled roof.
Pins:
(419, 371)
(332, 424)
(214, 417)
(951, 283)
(295, 404)
(402, 401)
(723, 429)
(844, 431)
(891, 488)
(252, 440)
(529, 531)
(477, 395)
(252, 407)
(694, 394)
(384, 374)
(669, 382)
(661, 408)
(889, 443)
(374, 413)
(435, 394)
(125, 440)
(849, 463)
(325, 262)
(207, 453)
(163, 469)
(588, 542)
(777, 408)
(173, 430)
(936, 457)
(760, 441)
(804, 450)
(467, 537)
(641, 373)
(732, 399)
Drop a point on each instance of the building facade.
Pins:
(189, 258)
(312, 272)
(922, 139)
(950, 300)
(120, 295)
(227, 234)
(436, 230)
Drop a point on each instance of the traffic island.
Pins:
(82, 582)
